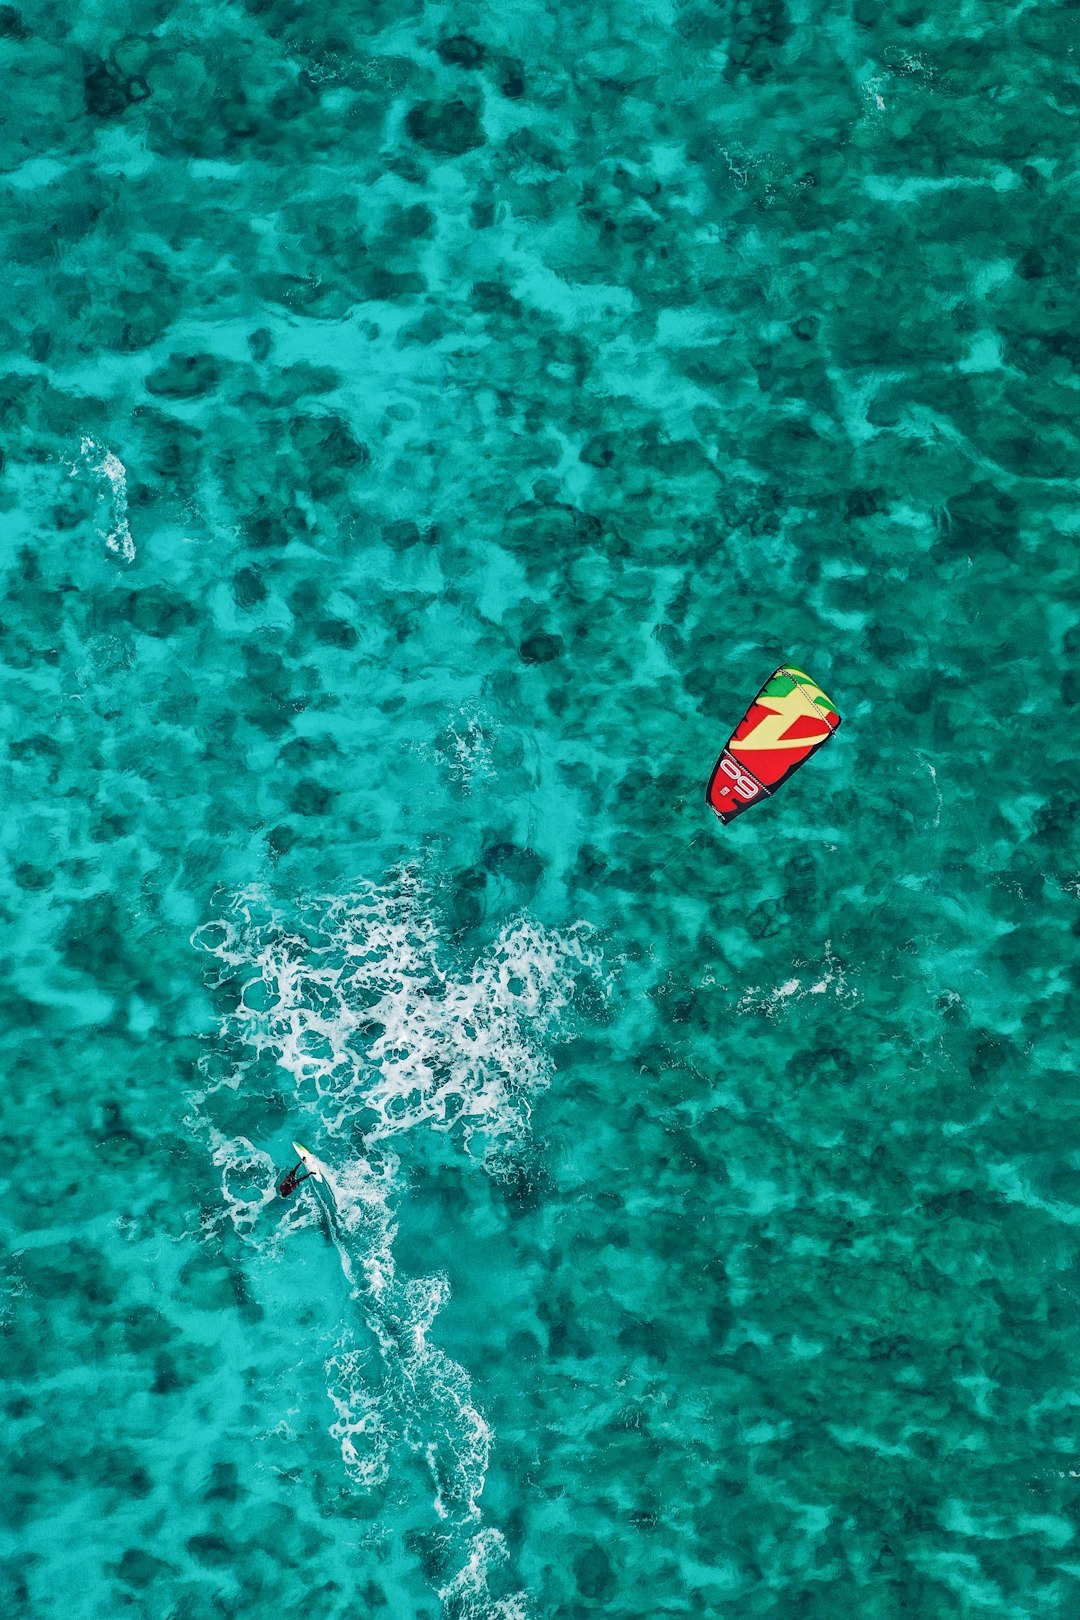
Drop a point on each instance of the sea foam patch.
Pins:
(110, 474)
(463, 748)
(825, 978)
(352, 998)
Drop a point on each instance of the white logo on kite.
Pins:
(743, 783)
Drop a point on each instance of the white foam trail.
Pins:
(468, 1591)
(463, 747)
(899, 65)
(353, 999)
(111, 474)
(937, 790)
(363, 1426)
(427, 1402)
(468, 749)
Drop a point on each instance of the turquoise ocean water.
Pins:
(424, 428)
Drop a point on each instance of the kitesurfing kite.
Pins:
(787, 722)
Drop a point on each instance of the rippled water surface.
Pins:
(423, 430)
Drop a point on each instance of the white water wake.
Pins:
(371, 1028)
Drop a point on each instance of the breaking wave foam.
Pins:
(353, 1000)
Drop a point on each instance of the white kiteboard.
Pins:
(318, 1172)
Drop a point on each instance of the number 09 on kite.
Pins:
(787, 722)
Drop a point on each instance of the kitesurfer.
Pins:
(289, 1184)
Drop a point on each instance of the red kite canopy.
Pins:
(787, 722)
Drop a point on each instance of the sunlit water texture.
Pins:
(422, 432)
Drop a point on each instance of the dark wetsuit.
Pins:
(290, 1183)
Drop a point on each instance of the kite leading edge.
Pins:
(787, 722)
